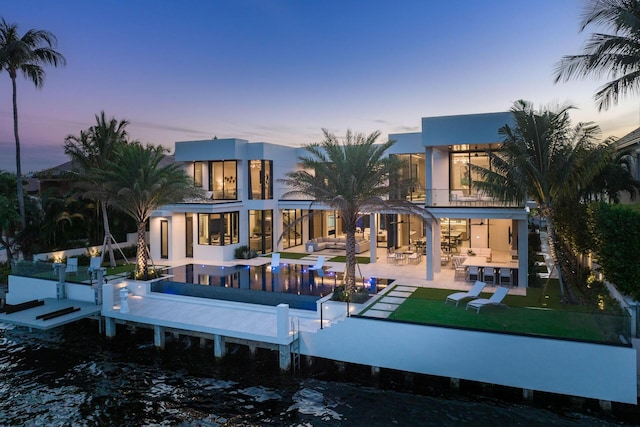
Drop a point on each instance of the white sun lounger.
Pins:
(471, 293)
(318, 264)
(496, 299)
(275, 260)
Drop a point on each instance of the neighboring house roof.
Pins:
(32, 185)
(630, 139)
(59, 177)
(56, 171)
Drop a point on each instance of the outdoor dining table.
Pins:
(481, 262)
(403, 257)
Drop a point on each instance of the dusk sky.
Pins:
(279, 71)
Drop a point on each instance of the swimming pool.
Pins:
(293, 284)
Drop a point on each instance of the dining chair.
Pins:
(391, 256)
(489, 275)
(505, 276)
(473, 273)
(459, 269)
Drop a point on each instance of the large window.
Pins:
(223, 180)
(461, 175)
(260, 234)
(292, 234)
(164, 239)
(260, 183)
(412, 176)
(218, 229)
(197, 174)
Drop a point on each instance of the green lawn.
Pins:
(531, 314)
(291, 255)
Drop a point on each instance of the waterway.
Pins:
(72, 376)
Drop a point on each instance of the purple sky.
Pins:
(279, 71)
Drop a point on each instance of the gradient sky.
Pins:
(279, 71)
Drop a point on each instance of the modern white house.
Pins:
(245, 203)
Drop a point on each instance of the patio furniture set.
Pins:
(474, 293)
(473, 268)
(403, 257)
(320, 243)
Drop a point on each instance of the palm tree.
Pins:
(26, 54)
(543, 158)
(9, 217)
(616, 178)
(614, 55)
(352, 178)
(138, 184)
(90, 151)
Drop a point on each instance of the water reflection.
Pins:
(74, 377)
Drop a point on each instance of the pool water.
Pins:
(287, 278)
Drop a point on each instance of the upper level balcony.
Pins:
(465, 198)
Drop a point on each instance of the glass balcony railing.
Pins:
(464, 198)
(565, 323)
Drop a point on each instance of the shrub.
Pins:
(616, 231)
(243, 252)
(5, 270)
(534, 242)
(359, 296)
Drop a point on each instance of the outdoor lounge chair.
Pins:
(275, 260)
(317, 267)
(474, 292)
(318, 264)
(496, 299)
(95, 263)
(72, 265)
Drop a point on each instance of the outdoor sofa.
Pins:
(320, 243)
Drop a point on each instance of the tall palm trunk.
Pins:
(23, 216)
(350, 279)
(107, 235)
(142, 267)
(551, 236)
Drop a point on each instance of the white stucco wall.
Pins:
(22, 289)
(573, 368)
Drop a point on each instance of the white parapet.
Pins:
(282, 312)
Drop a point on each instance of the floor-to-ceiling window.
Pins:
(291, 229)
(188, 234)
(461, 175)
(223, 180)
(260, 231)
(412, 176)
(454, 235)
(316, 224)
(218, 229)
(164, 239)
(260, 182)
(197, 174)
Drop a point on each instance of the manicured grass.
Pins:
(291, 255)
(339, 258)
(359, 259)
(124, 268)
(533, 314)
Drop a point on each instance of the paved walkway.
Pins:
(388, 303)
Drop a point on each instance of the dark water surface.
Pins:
(74, 377)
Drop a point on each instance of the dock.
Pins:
(257, 326)
(53, 313)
